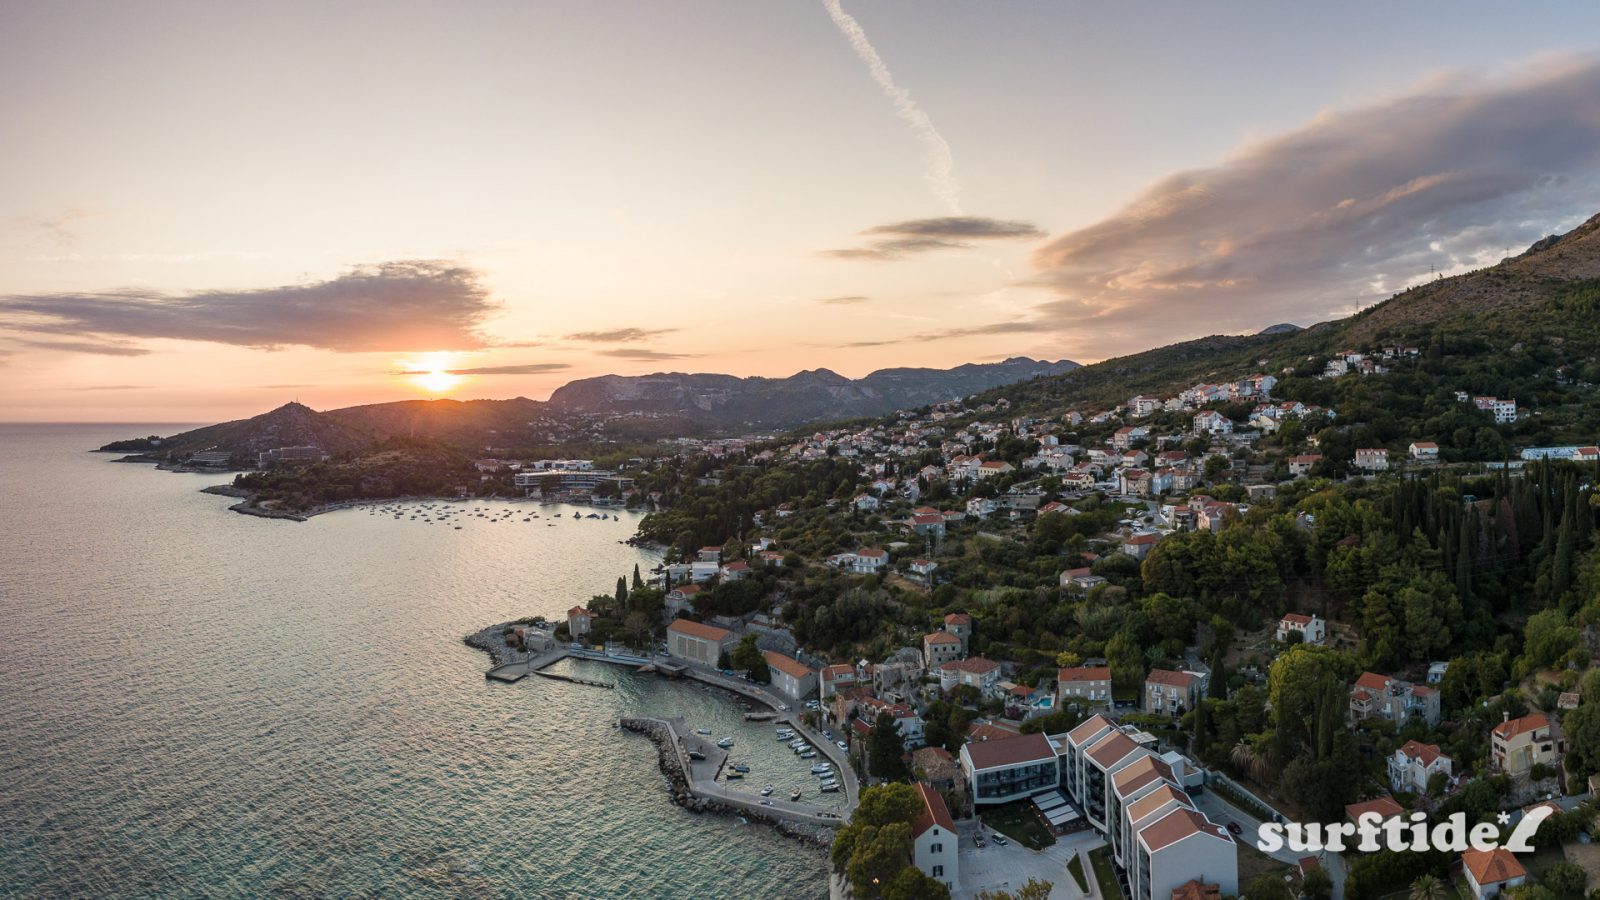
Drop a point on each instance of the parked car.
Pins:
(841, 745)
(1234, 828)
(1000, 839)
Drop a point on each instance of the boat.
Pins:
(766, 791)
(741, 768)
(794, 794)
(809, 754)
(725, 743)
(831, 787)
(797, 743)
(702, 731)
(821, 769)
(731, 775)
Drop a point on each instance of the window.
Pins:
(938, 871)
(937, 848)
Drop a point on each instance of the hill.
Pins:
(728, 402)
(605, 409)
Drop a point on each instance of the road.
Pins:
(1223, 812)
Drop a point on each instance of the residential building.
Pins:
(1212, 422)
(1385, 808)
(1312, 629)
(923, 568)
(1301, 465)
(1491, 873)
(906, 721)
(934, 839)
(1183, 846)
(696, 642)
(579, 621)
(1505, 411)
(840, 677)
(1372, 459)
(681, 599)
(1167, 692)
(1379, 696)
(1411, 766)
(1139, 545)
(960, 625)
(1520, 744)
(976, 672)
(938, 648)
(1423, 451)
(1087, 686)
(790, 676)
(1000, 771)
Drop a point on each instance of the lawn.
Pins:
(1076, 868)
(1019, 822)
(1104, 874)
(1253, 864)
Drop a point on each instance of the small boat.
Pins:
(794, 794)
(766, 791)
(741, 768)
(831, 787)
(725, 743)
(809, 754)
(821, 769)
(702, 731)
(696, 754)
(731, 775)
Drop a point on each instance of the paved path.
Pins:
(1221, 811)
(702, 776)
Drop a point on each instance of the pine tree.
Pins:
(638, 582)
(622, 591)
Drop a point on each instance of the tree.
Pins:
(1035, 889)
(914, 884)
(1428, 887)
(1267, 886)
(622, 592)
(748, 656)
(879, 853)
(638, 582)
(1317, 885)
(886, 750)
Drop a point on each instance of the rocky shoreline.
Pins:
(678, 789)
(492, 640)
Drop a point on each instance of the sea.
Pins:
(198, 703)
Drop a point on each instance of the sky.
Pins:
(209, 209)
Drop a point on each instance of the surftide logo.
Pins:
(1371, 833)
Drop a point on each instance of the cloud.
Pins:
(392, 306)
(619, 335)
(898, 240)
(938, 163)
(523, 369)
(850, 300)
(1351, 207)
(57, 229)
(640, 353)
(96, 347)
(112, 387)
(967, 227)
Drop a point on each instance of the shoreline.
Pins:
(491, 640)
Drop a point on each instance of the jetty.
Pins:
(573, 679)
(513, 672)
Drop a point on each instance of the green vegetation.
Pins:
(1104, 875)
(1019, 822)
(1075, 869)
(874, 850)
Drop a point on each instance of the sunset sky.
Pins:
(208, 209)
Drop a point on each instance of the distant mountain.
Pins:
(1281, 328)
(611, 407)
(729, 402)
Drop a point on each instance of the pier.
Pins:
(513, 672)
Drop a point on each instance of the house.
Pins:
(1312, 629)
(1372, 459)
(790, 676)
(1492, 872)
(1505, 411)
(923, 568)
(695, 642)
(1142, 406)
(1379, 696)
(1135, 482)
(735, 570)
(1138, 545)
(1423, 451)
(976, 672)
(907, 723)
(1080, 579)
(981, 507)
(1520, 744)
(1212, 422)
(1123, 438)
(934, 839)
(579, 621)
(1171, 693)
(993, 467)
(865, 503)
(1413, 764)
(867, 561)
(1087, 686)
(710, 554)
(771, 558)
(939, 648)
(927, 524)
(935, 767)
(838, 677)
(681, 599)
(960, 625)
(1385, 808)
(1000, 771)
(1301, 464)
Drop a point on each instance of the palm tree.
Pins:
(1428, 887)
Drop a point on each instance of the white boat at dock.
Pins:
(766, 791)
(725, 743)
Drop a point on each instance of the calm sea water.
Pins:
(199, 703)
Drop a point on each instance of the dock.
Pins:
(574, 680)
(513, 672)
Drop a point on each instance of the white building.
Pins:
(1492, 872)
(1413, 764)
(934, 847)
(1008, 769)
(1312, 629)
(790, 676)
(1086, 686)
(697, 642)
(1180, 847)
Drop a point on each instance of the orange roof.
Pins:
(1297, 618)
(1084, 673)
(579, 611)
(786, 664)
(1372, 681)
(1139, 773)
(1089, 727)
(941, 637)
(1425, 753)
(1195, 890)
(934, 812)
(1169, 677)
(958, 619)
(1154, 800)
(1514, 727)
(1177, 825)
(700, 630)
(1111, 748)
(976, 665)
(1492, 866)
(1384, 806)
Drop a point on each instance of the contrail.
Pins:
(940, 171)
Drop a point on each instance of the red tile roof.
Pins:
(934, 812)
(1176, 826)
(787, 664)
(1169, 677)
(1384, 806)
(1425, 753)
(941, 637)
(1492, 866)
(699, 630)
(1010, 751)
(1084, 673)
(1089, 727)
(1514, 727)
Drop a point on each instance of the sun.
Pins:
(433, 372)
(437, 381)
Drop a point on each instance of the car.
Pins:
(1000, 839)
(766, 802)
(841, 745)
(783, 706)
(979, 841)
(827, 734)
(1234, 828)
